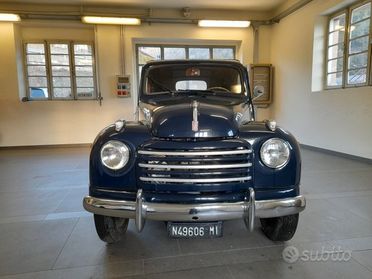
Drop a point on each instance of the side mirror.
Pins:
(258, 91)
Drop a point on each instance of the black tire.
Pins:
(280, 228)
(110, 229)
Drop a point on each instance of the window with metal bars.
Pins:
(349, 47)
(60, 70)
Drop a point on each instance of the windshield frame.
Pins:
(244, 96)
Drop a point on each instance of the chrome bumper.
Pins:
(140, 210)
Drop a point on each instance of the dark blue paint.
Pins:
(133, 134)
(171, 129)
(266, 177)
(175, 121)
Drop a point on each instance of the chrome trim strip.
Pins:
(195, 122)
(141, 210)
(113, 191)
(195, 153)
(251, 210)
(277, 208)
(197, 167)
(114, 208)
(195, 180)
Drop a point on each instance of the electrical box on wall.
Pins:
(262, 75)
(123, 88)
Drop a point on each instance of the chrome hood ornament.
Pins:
(195, 122)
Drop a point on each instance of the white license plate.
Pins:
(195, 230)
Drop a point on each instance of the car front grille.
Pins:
(202, 166)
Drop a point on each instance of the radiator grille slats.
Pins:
(204, 166)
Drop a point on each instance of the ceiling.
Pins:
(253, 5)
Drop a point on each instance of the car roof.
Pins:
(195, 61)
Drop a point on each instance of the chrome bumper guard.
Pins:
(140, 210)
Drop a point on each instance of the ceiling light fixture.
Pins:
(224, 23)
(111, 20)
(9, 17)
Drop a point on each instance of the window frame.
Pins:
(49, 75)
(95, 82)
(186, 46)
(49, 66)
(25, 69)
(344, 11)
(368, 67)
(346, 47)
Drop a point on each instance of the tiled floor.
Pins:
(45, 233)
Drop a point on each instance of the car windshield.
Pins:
(193, 79)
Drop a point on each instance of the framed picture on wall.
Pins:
(261, 75)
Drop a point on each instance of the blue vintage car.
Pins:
(196, 158)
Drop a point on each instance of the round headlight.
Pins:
(275, 153)
(114, 154)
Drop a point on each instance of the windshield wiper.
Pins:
(208, 93)
(161, 86)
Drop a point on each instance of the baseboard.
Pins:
(336, 153)
(46, 146)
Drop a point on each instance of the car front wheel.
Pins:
(280, 228)
(110, 229)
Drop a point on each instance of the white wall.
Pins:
(338, 120)
(72, 122)
(57, 122)
(263, 57)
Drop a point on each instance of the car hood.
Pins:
(193, 120)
